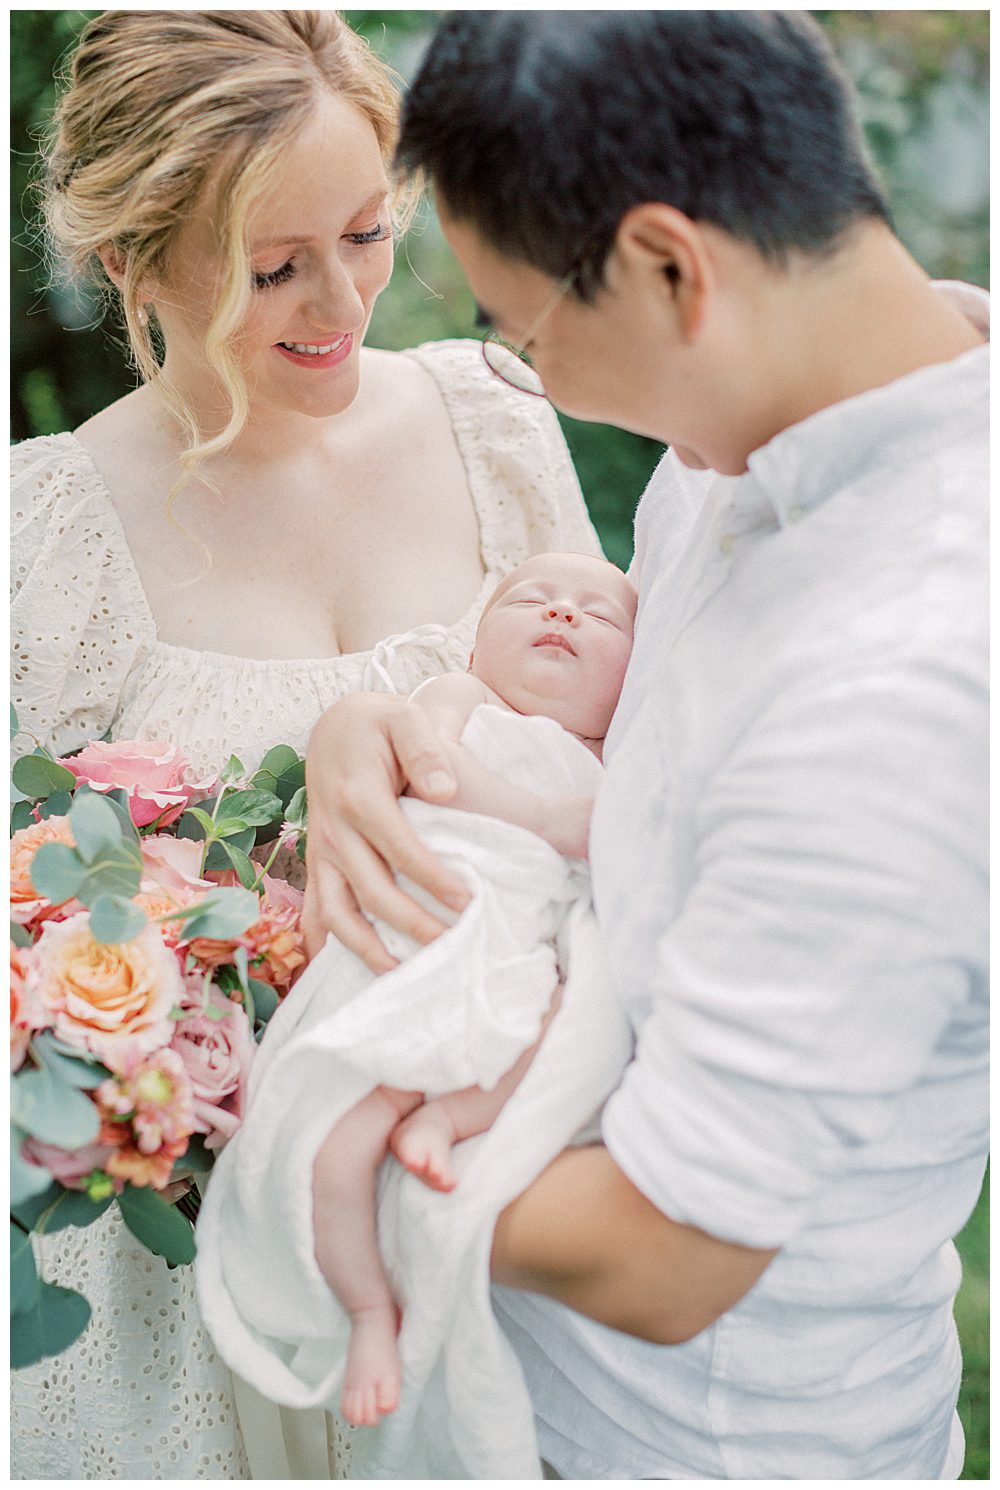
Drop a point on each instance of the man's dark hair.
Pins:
(543, 128)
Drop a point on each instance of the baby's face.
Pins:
(555, 639)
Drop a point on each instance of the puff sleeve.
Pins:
(520, 473)
(79, 617)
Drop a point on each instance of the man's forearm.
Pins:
(584, 1235)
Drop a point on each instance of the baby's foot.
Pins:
(372, 1375)
(422, 1143)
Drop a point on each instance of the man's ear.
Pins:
(668, 252)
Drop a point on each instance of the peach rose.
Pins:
(173, 864)
(152, 772)
(217, 1053)
(107, 998)
(27, 907)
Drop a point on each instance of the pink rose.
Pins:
(70, 1167)
(107, 997)
(217, 1053)
(173, 864)
(150, 771)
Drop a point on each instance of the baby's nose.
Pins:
(561, 612)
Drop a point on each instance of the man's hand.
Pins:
(362, 753)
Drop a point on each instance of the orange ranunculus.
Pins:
(108, 998)
(274, 943)
(154, 1094)
(26, 1012)
(27, 907)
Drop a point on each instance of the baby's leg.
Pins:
(423, 1141)
(347, 1252)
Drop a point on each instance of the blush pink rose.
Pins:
(153, 773)
(173, 864)
(70, 1167)
(217, 1053)
(107, 997)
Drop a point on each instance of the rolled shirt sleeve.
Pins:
(824, 946)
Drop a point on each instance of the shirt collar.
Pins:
(807, 462)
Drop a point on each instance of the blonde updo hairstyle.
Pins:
(160, 103)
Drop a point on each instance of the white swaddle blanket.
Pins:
(454, 1014)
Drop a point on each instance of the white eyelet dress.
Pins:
(142, 1394)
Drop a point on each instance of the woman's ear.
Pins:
(660, 247)
(114, 263)
(472, 658)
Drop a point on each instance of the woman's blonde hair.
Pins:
(158, 103)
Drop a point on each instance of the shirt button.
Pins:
(726, 542)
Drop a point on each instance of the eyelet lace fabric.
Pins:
(142, 1394)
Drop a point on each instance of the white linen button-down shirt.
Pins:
(789, 866)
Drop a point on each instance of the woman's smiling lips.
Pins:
(554, 639)
(316, 354)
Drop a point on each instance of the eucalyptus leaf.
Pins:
(19, 936)
(203, 820)
(24, 1290)
(59, 1317)
(39, 776)
(223, 914)
(278, 760)
(159, 1226)
(296, 813)
(57, 872)
(188, 826)
(27, 1181)
(71, 1208)
(22, 815)
(96, 825)
(196, 1156)
(217, 857)
(116, 871)
(251, 807)
(265, 1000)
(58, 805)
(14, 726)
(117, 799)
(246, 870)
(233, 770)
(113, 918)
(69, 1066)
(52, 1111)
(230, 827)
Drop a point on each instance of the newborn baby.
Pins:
(553, 641)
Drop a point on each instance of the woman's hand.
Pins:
(362, 754)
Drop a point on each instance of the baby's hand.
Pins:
(566, 825)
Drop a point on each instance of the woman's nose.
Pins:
(335, 303)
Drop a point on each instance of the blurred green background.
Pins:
(922, 80)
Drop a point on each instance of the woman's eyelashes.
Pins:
(264, 279)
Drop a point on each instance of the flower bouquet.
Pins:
(148, 951)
